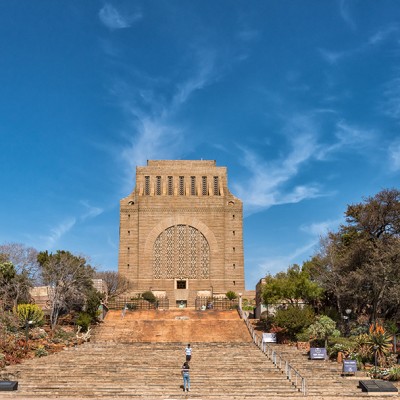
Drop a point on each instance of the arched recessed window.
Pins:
(170, 186)
(181, 251)
(204, 189)
(158, 185)
(193, 185)
(181, 186)
(216, 186)
(147, 185)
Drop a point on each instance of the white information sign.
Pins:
(269, 337)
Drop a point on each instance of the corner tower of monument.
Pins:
(181, 232)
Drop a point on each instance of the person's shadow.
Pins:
(187, 393)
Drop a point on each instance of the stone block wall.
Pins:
(182, 226)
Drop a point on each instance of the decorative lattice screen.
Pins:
(181, 251)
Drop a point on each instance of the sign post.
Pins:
(318, 353)
(349, 366)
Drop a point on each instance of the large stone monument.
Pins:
(181, 232)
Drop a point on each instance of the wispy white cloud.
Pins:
(394, 155)
(318, 229)
(248, 35)
(382, 35)
(115, 19)
(350, 135)
(273, 182)
(379, 37)
(51, 240)
(267, 184)
(91, 211)
(205, 72)
(390, 104)
(348, 138)
(156, 132)
(155, 138)
(345, 13)
(56, 233)
(332, 57)
(272, 265)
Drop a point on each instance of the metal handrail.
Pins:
(294, 376)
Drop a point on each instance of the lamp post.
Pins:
(347, 320)
(28, 323)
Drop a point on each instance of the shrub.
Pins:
(247, 305)
(303, 336)
(38, 333)
(231, 295)
(294, 319)
(322, 329)
(13, 348)
(84, 320)
(363, 348)
(62, 335)
(380, 342)
(345, 345)
(149, 296)
(41, 351)
(93, 301)
(394, 374)
(8, 321)
(29, 313)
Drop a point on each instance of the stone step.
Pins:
(115, 365)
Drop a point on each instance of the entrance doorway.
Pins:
(181, 303)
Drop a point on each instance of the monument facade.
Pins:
(181, 232)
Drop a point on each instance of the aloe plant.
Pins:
(379, 341)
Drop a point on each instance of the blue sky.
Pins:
(300, 100)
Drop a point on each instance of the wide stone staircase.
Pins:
(177, 325)
(324, 378)
(139, 355)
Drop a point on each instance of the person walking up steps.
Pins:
(188, 352)
(186, 376)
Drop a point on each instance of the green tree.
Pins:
(69, 278)
(359, 265)
(323, 328)
(293, 286)
(294, 319)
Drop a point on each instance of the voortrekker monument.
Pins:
(181, 232)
